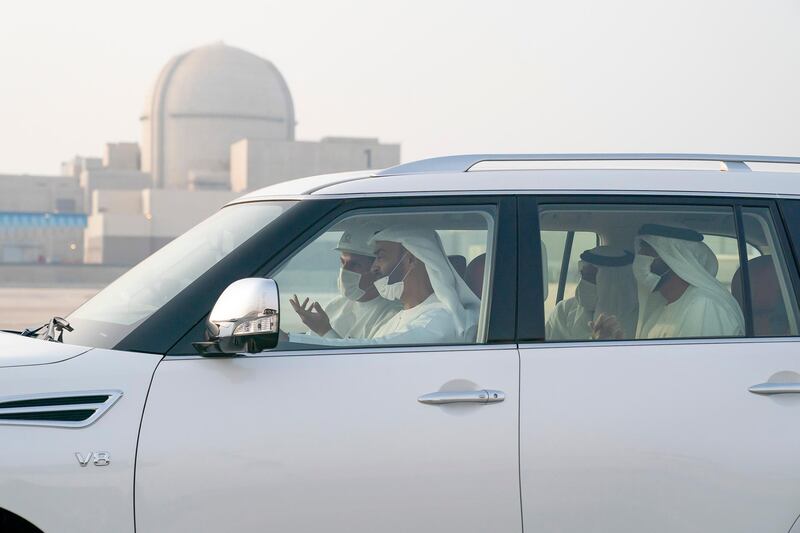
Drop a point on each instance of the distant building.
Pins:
(219, 121)
(42, 219)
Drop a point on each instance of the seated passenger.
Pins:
(358, 311)
(412, 267)
(769, 311)
(607, 287)
(679, 295)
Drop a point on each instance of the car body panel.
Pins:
(16, 350)
(588, 181)
(42, 479)
(302, 186)
(335, 442)
(659, 437)
(582, 181)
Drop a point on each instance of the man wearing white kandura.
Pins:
(606, 288)
(679, 294)
(358, 311)
(437, 305)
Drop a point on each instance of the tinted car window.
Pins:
(390, 277)
(650, 272)
(772, 300)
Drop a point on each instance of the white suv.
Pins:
(600, 348)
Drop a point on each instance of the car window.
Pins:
(116, 310)
(773, 303)
(390, 277)
(643, 272)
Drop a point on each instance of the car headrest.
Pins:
(474, 274)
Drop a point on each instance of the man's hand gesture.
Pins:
(312, 315)
(606, 327)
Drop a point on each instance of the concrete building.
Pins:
(218, 122)
(78, 164)
(41, 219)
(256, 163)
(127, 226)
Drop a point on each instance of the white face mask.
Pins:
(641, 271)
(586, 294)
(392, 291)
(349, 282)
(389, 292)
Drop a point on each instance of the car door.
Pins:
(680, 434)
(341, 439)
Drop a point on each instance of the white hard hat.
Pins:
(355, 240)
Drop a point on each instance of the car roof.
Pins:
(738, 175)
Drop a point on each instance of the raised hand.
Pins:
(606, 327)
(312, 315)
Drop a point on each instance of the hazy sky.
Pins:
(439, 77)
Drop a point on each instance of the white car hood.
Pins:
(25, 351)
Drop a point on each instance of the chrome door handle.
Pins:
(471, 396)
(768, 389)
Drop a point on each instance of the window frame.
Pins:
(782, 219)
(502, 317)
(531, 319)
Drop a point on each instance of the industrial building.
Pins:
(218, 122)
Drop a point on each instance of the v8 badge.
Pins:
(97, 458)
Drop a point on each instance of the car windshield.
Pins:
(127, 302)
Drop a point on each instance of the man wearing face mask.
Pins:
(437, 305)
(606, 288)
(359, 310)
(679, 294)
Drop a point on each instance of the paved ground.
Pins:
(22, 307)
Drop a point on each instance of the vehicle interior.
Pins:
(568, 230)
(466, 234)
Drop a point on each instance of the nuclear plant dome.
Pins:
(203, 101)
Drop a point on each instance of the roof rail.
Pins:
(463, 163)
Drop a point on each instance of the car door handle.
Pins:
(768, 389)
(471, 396)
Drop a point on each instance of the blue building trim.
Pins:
(42, 220)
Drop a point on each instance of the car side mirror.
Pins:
(245, 318)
